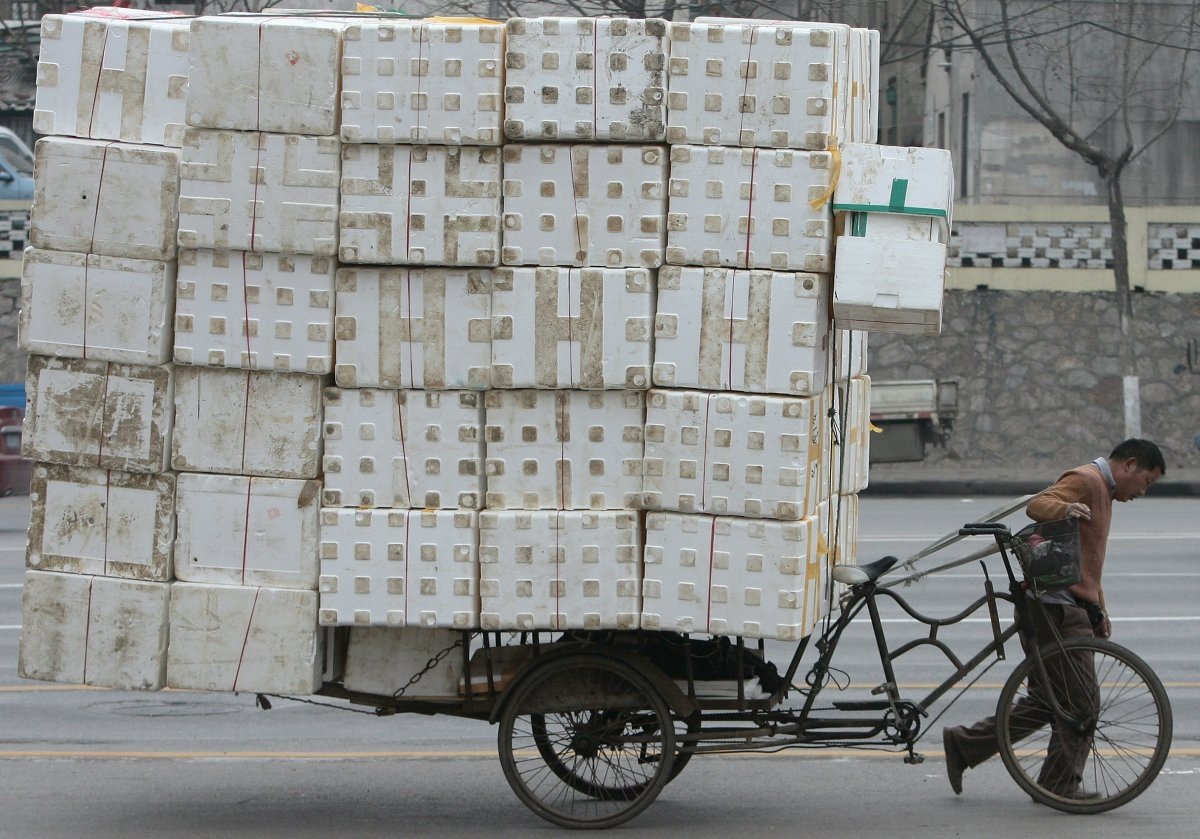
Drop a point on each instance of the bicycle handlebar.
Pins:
(984, 528)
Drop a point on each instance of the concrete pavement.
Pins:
(922, 479)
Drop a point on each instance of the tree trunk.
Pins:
(1132, 408)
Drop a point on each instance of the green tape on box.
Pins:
(896, 199)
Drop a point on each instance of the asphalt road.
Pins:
(96, 763)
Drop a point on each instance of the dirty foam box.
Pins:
(895, 192)
(889, 285)
(96, 521)
(413, 328)
(559, 570)
(247, 423)
(381, 661)
(415, 568)
(112, 78)
(837, 519)
(98, 414)
(244, 638)
(254, 191)
(756, 83)
(850, 357)
(850, 408)
(420, 205)
(237, 530)
(564, 449)
(100, 631)
(414, 81)
(403, 448)
(265, 73)
(586, 328)
(731, 454)
(116, 199)
(755, 331)
(255, 311)
(577, 78)
(584, 205)
(103, 308)
(749, 208)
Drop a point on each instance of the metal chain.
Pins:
(429, 665)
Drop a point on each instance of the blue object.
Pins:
(12, 396)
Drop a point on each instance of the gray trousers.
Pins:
(1074, 683)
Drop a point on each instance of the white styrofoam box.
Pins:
(584, 205)
(101, 631)
(850, 405)
(731, 454)
(255, 311)
(254, 191)
(265, 73)
(755, 331)
(850, 346)
(838, 522)
(403, 448)
(578, 78)
(247, 423)
(749, 208)
(559, 570)
(116, 199)
(416, 81)
(888, 285)
(564, 449)
(237, 530)
(416, 568)
(584, 328)
(420, 205)
(244, 638)
(96, 521)
(413, 327)
(98, 414)
(865, 77)
(381, 660)
(103, 308)
(677, 572)
(112, 78)
(753, 83)
(914, 183)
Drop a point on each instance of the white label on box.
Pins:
(584, 328)
(255, 311)
(404, 448)
(584, 205)
(414, 81)
(265, 73)
(585, 79)
(564, 449)
(247, 423)
(98, 414)
(416, 568)
(102, 308)
(96, 521)
(420, 205)
(254, 191)
(559, 570)
(749, 208)
(244, 639)
(115, 199)
(414, 328)
(756, 331)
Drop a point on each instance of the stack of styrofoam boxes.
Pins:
(97, 296)
(895, 204)
(740, 454)
(420, 237)
(258, 235)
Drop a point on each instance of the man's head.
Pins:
(1136, 465)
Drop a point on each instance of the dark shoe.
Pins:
(1077, 794)
(955, 762)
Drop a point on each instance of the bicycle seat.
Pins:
(853, 575)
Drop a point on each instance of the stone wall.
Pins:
(12, 360)
(1040, 379)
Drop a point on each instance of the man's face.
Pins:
(1132, 480)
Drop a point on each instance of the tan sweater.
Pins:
(1086, 484)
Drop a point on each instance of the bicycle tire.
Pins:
(586, 742)
(1124, 714)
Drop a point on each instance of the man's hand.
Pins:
(1079, 510)
(1103, 629)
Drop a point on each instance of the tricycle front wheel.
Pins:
(586, 741)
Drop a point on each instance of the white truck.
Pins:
(911, 415)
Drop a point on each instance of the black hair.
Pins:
(1147, 455)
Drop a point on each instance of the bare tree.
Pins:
(1107, 78)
